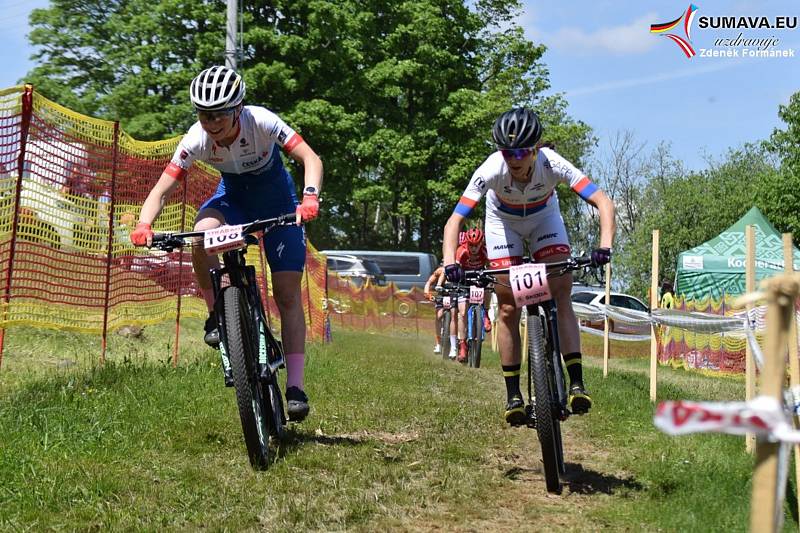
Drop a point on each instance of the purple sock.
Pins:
(294, 370)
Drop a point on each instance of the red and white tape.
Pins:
(762, 415)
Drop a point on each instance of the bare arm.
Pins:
(450, 239)
(427, 289)
(312, 164)
(157, 198)
(608, 224)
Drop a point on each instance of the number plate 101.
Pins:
(529, 283)
(223, 238)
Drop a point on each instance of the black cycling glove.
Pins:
(601, 256)
(454, 273)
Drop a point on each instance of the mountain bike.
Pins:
(447, 301)
(546, 405)
(250, 352)
(476, 331)
(449, 294)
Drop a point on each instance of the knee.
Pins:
(286, 299)
(507, 312)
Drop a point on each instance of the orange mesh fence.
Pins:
(358, 305)
(71, 188)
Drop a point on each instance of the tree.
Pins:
(692, 208)
(397, 97)
(779, 191)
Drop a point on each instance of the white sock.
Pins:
(453, 342)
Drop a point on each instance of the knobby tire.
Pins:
(476, 337)
(547, 424)
(253, 403)
(445, 334)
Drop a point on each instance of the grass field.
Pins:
(397, 440)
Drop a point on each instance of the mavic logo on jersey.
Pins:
(509, 246)
(547, 236)
(280, 248)
(686, 19)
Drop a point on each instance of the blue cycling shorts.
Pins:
(242, 198)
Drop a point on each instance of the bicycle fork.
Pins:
(558, 370)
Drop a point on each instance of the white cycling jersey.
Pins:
(507, 200)
(523, 211)
(253, 150)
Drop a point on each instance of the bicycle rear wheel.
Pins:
(547, 424)
(445, 333)
(476, 336)
(252, 400)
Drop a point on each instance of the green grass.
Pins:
(397, 439)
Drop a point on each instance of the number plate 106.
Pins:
(223, 238)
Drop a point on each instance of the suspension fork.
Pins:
(551, 312)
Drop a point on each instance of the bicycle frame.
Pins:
(480, 334)
(244, 276)
(250, 353)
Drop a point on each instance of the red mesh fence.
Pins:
(71, 188)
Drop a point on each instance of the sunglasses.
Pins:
(517, 153)
(210, 116)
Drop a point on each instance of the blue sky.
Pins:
(615, 74)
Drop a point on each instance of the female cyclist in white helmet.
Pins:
(243, 143)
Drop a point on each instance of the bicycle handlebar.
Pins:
(170, 241)
(485, 277)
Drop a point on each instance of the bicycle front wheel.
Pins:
(445, 334)
(548, 426)
(242, 347)
(476, 336)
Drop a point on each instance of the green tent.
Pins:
(716, 268)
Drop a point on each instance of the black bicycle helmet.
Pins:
(517, 128)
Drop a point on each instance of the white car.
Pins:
(357, 270)
(597, 298)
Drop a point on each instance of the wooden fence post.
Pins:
(653, 305)
(766, 512)
(794, 364)
(606, 340)
(750, 286)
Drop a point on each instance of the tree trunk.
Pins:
(425, 225)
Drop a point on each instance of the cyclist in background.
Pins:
(243, 143)
(519, 181)
(436, 278)
(471, 255)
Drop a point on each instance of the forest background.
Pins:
(398, 99)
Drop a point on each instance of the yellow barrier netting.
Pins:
(718, 352)
(71, 187)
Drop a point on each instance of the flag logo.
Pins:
(686, 21)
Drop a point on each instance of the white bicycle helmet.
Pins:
(216, 88)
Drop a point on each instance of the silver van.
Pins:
(404, 269)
